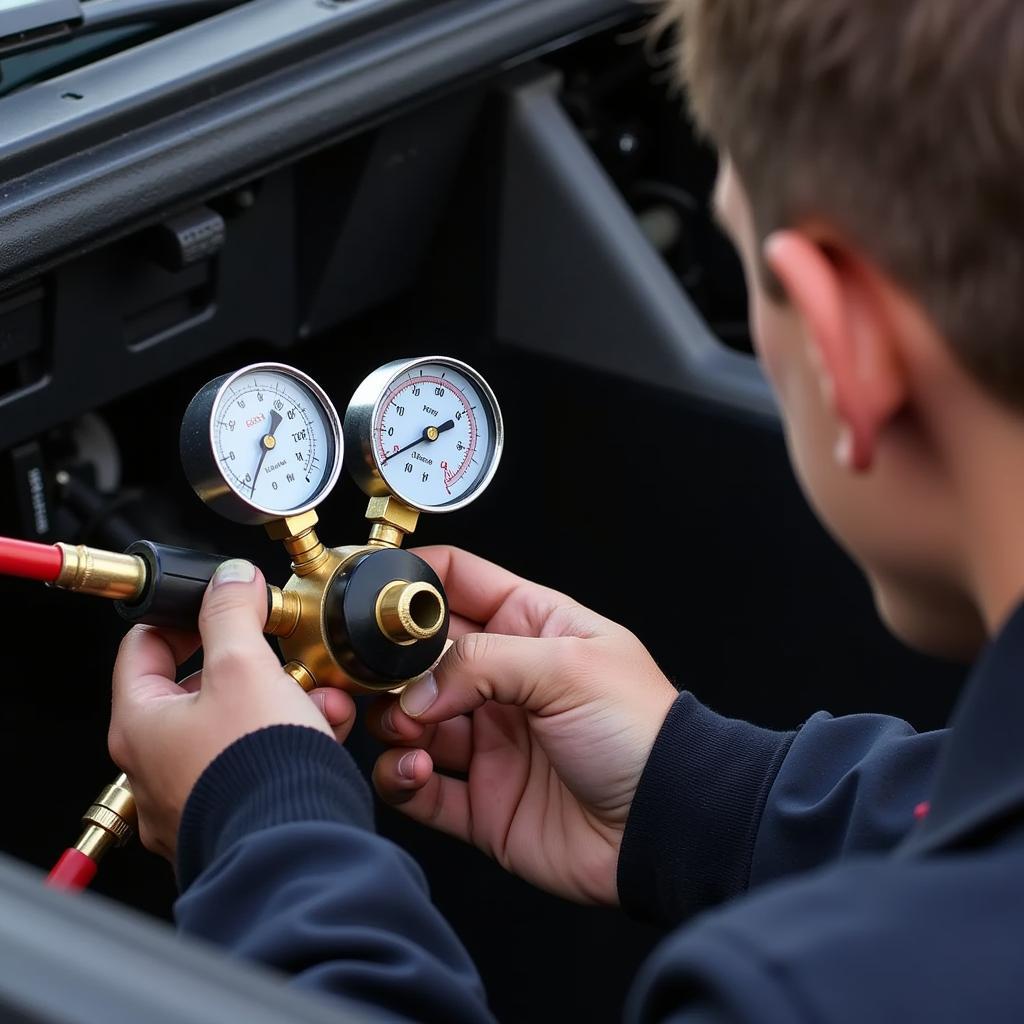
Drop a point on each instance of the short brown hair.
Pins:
(900, 122)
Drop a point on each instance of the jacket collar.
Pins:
(979, 778)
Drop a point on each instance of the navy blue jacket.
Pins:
(859, 914)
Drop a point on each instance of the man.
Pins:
(870, 177)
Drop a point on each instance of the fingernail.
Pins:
(418, 696)
(844, 448)
(387, 720)
(407, 765)
(234, 570)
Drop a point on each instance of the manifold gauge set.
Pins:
(264, 446)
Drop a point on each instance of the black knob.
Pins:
(353, 611)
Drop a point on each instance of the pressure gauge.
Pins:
(428, 431)
(262, 443)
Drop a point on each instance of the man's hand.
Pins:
(549, 713)
(164, 735)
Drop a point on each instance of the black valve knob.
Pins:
(382, 625)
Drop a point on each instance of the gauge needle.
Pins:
(267, 443)
(429, 434)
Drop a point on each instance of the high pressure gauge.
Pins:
(262, 443)
(427, 431)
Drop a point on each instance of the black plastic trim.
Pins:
(78, 959)
(223, 100)
(579, 281)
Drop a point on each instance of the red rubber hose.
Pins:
(31, 561)
(74, 870)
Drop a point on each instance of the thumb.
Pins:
(231, 623)
(530, 672)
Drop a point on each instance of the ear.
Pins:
(848, 327)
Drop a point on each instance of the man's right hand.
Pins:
(546, 710)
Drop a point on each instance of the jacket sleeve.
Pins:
(724, 805)
(278, 862)
(742, 964)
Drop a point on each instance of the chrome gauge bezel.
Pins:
(365, 407)
(199, 448)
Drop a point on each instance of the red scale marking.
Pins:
(440, 382)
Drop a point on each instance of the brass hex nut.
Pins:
(388, 509)
(292, 526)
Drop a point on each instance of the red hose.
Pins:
(31, 561)
(74, 870)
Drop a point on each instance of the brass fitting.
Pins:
(300, 541)
(292, 526)
(392, 520)
(305, 647)
(110, 820)
(301, 675)
(101, 573)
(407, 612)
(284, 614)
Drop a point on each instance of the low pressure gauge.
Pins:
(427, 431)
(262, 443)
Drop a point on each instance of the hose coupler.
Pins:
(109, 821)
(101, 573)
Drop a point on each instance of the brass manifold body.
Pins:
(401, 613)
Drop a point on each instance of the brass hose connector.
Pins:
(100, 573)
(408, 612)
(110, 820)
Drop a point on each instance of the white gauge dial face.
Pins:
(273, 440)
(433, 435)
